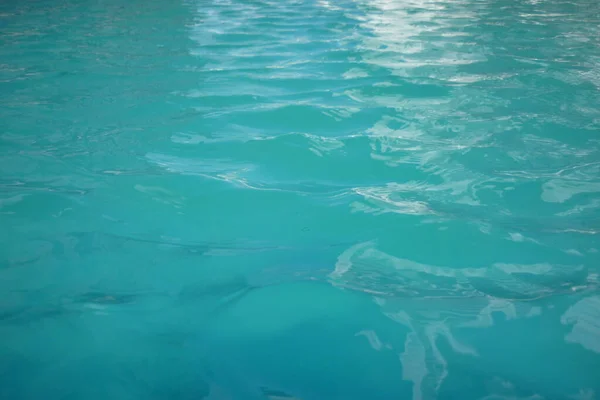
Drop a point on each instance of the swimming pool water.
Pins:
(299, 199)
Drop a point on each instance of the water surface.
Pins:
(260, 199)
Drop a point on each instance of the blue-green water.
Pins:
(271, 199)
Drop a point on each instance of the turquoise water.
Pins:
(319, 199)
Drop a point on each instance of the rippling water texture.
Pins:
(279, 199)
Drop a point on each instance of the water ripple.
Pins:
(416, 181)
